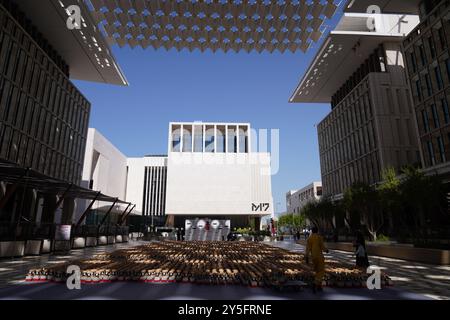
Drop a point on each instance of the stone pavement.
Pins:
(412, 281)
(432, 281)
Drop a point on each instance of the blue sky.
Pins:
(222, 87)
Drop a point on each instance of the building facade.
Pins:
(427, 52)
(371, 126)
(43, 116)
(297, 199)
(210, 175)
(213, 173)
(146, 187)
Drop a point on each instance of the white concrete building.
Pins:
(213, 173)
(210, 172)
(146, 184)
(105, 170)
(297, 199)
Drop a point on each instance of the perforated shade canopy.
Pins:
(213, 24)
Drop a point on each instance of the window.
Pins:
(413, 61)
(431, 153)
(442, 39)
(426, 125)
(209, 139)
(419, 90)
(198, 138)
(220, 139)
(423, 56)
(232, 139)
(429, 86)
(437, 73)
(432, 47)
(319, 191)
(187, 138)
(176, 139)
(435, 116)
(447, 65)
(441, 149)
(445, 110)
(243, 139)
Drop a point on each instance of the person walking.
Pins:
(362, 260)
(315, 248)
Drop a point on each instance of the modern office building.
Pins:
(297, 199)
(43, 116)
(427, 53)
(360, 71)
(213, 174)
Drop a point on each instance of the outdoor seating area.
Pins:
(214, 263)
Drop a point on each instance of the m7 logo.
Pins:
(260, 207)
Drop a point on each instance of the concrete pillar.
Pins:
(68, 211)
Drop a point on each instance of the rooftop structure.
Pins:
(85, 50)
(348, 46)
(220, 24)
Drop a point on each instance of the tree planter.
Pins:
(78, 243)
(33, 247)
(12, 249)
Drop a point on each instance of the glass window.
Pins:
(441, 149)
(442, 39)
(419, 90)
(445, 110)
(431, 153)
(435, 116)
(243, 139)
(319, 191)
(437, 72)
(447, 65)
(209, 139)
(221, 139)
(187, 138)
(423, 56)
(432, 47)
(426, 125)
(198, 138)
(176, 138)
(429, 86)
(232, 139)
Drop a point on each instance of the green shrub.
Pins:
(382, 238)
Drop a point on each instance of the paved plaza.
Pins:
(412, 281)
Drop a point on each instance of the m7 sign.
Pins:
(261, 207)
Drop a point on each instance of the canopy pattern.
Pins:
(213, 24)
